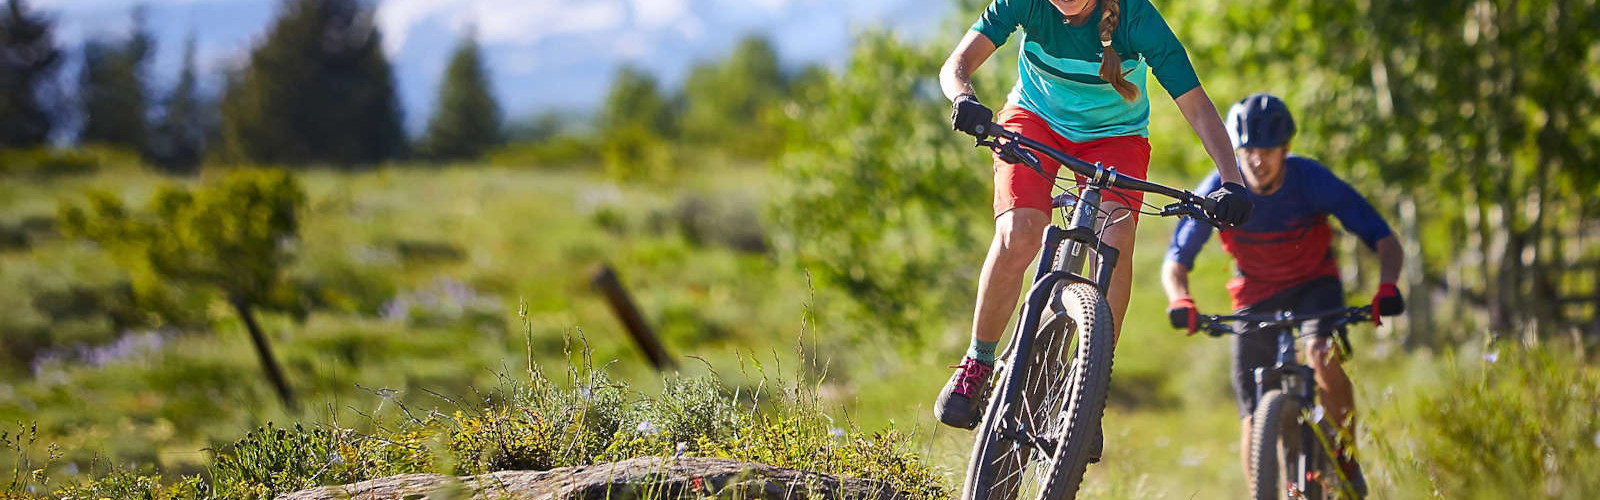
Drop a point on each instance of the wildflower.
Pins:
(682, 448)
(646, 428)
(836, 432)
(1491, 357)
(1597, 439)
(334, 458)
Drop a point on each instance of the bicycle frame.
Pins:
(1295, 379)
(1299, 382)
(1062, 258)
(1064, 254)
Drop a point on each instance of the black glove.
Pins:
(1388, 301)
(966, 114)
(1232, 204)
(1183, 314)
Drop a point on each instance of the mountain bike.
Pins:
(1290, 441)
(1041, 426)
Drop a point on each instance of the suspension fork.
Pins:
(1078, 236)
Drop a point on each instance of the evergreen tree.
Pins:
(28, 60)
(317, 90)
(466, 122)
(179, 138)
(112, 89)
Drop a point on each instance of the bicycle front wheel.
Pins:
(1277, 448)
(1077, 428)
(1003, 468)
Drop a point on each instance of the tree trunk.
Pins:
(1419, 312)
(264, 351)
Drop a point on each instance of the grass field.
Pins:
(424, 271)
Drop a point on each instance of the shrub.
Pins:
(1527, 420)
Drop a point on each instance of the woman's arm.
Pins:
(955, 78)
(1207, 123)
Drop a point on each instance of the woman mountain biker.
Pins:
(1285, 260)
(1080, 88)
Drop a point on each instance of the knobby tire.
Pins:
(1063, 393)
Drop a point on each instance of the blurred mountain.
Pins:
(541, 54)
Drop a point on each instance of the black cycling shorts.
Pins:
(1260, 348)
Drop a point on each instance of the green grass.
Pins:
(514, 235)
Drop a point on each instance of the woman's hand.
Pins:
(967, 114)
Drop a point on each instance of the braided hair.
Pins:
(1110, 62)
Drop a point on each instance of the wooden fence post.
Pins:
(606, 282)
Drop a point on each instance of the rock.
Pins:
(637, 478)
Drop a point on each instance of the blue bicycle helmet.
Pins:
(1260, 121)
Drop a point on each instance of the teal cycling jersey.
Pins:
(1058, 70)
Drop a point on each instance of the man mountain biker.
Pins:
(1285, 261)
(1080, 88)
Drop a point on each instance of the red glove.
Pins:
(1387, 302)
(1182, 314)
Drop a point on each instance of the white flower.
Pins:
(836, 432)
(646, 428)
(1491, 357)
(334, 458)
(682, 447)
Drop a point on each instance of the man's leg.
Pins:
(1332, 383)
(1338, 398)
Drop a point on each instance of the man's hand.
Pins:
(1183, 314)
(1387, 302)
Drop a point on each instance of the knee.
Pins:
(1321, 356)
(1019, 233)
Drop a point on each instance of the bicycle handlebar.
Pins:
(1217, 325)
(1189, 204)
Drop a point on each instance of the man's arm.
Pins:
(1175, 279)
(1390, 258)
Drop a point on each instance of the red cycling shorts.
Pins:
(1016, 185)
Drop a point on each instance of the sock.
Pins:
(982, 351)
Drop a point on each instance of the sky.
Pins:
(543, 54)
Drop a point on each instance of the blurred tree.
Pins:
(466, 123)
(635, 122)
(236, 236)
(884, 201)
(28, 60)
(111, 89)
(541, 127)
(1443, 119)
(178, 140)
(318, 89)
(734, 104)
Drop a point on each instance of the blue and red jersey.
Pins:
(1287, 241)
